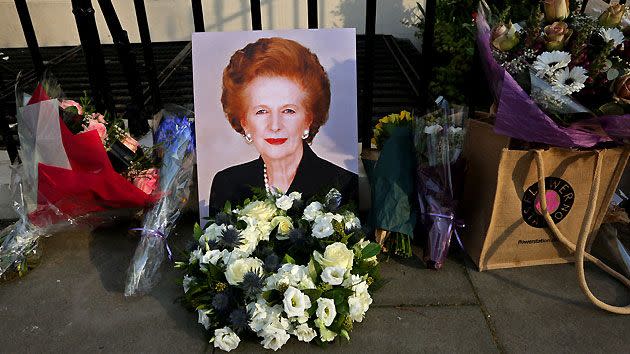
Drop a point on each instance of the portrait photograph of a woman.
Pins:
(274, 96)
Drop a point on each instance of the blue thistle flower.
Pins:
(222, 218)
(239, 320)
(299, 238)
(272, 263)
(252, 284)
(230, 239)
(221, 302)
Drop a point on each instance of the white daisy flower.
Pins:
(612, 34)
(548, 63)
(566, 82)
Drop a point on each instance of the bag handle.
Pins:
(580, 249)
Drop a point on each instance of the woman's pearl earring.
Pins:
(248, 138)
(305, 134)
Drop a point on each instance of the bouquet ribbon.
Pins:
(158, 234)
(452, 225)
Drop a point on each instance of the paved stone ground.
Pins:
(73, 302)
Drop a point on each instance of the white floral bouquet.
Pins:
(277, 266)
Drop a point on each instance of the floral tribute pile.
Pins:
(277, 267)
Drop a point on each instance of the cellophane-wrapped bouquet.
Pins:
(78, 168)
(560, 76)
(174, 139)
(438, 141)
(277, 266)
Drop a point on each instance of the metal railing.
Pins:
(136, 111)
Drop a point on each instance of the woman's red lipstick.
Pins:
(274, 141)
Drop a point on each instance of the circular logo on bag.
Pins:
(559, 197)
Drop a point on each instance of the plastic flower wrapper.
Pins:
(543, 89)
(175, 138)
(64, 179)
(438, 141)
(393, 213)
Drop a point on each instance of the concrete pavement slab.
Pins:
(409, 282)
(542, 309)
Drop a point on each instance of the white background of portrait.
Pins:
(218, 144)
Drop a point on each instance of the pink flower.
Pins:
(147, 181)
(130, 142)
(99, 127)
(97, 117)
(70, 103)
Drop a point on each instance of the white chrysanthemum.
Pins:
(612, 34)
(566, 81)
(433, 129)
(226, 339)
(333, 275)
(548, 63)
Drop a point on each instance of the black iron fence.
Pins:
(137, 110)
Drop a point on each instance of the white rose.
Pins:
(333, 275)
(212, 232)
(295, 195)
(204, 319)
(326, 310)
(284, 224)
(249, 237)
(285, 202)
(433, 129)
(323, 227)
(350, 221)
(295, 302)
(186, 282)
(196, 255)
(211, 256)
(225, 339)
(312, 211)
(236, 270)
(259, 210)
(304, 333)
(274, 339)
(335, 255)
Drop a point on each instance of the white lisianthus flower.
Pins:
(229, 257)
(325, 334)
(304, 333)
(326, 310)
(204, 319)
(295, 302)
(186, 282)
(290, 275)
(274, 338)
(350, 221)
(295, 195)
(333, 275)
(283, 223)
(226, 339)
(433, 129)
(312, 211)
(212, 232)
(285, 202)
(262, 315)
(196, 255)
(236, 270)
(211, 256)
(357, 284)
(323, 227)
(359, 306)
(259, 210)
(335, 255)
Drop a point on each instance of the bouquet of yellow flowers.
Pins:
(387, 124)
